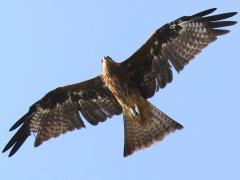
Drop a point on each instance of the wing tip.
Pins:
(17, 140)
(204, 13)
(220, 32)
(11, 153)
(229, 14)
(16, 125)
(218, 17)
(20, 121)
(5, 149)
(233, 13)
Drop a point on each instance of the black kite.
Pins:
(124, 87)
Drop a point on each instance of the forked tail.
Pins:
(145, 126)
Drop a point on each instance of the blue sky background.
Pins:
(49, 43)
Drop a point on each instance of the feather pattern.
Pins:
(58, 112)
(174, 44)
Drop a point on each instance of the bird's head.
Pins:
(106, 59)
(108, 64)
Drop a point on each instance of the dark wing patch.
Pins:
(58, 112)
(174, 44)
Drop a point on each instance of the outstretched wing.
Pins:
(58, 112)
(175, 44)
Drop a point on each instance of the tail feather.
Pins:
(154, 125)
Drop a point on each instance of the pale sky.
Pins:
(50, 43)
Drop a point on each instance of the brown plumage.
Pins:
(124, 87)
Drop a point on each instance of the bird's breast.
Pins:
(119, 83)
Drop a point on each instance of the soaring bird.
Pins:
(124, 87)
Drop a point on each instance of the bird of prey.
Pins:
(124, 87)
